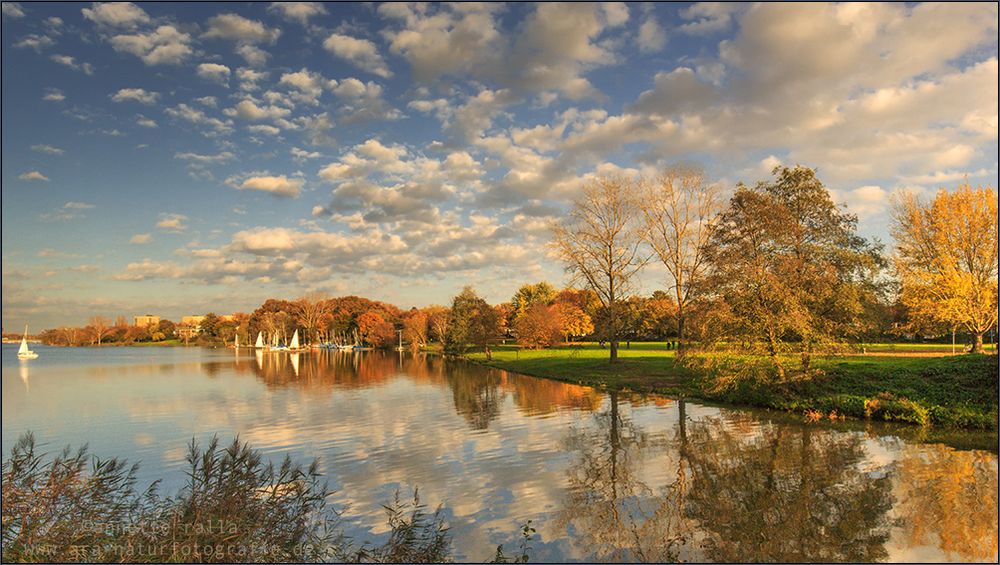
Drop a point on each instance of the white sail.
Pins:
(23, 352)
(260, 340)
(236, 340)
(295, 340)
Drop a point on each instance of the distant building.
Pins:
(187, 332)
(192, 320)
(146, 321)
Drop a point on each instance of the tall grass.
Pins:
(234, 507)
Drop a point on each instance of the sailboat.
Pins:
(260, 341)
(23, 352)
(294, 344)
(236, 341)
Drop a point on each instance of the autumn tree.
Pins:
(375, 330)
(679, 208)
(472, 321)
(789, 268)
(415, 328)
(99, 327)
(209, 325)
(572, 320)
(538, 327)
(437, 321)
(529, 295)
(309, 311)
(946, 258)
(600, 241)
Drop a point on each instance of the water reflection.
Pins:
(785, 494)
(605, 477)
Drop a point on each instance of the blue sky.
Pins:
(180, 158)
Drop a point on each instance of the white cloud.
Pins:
(249, 78)
(235, 27)
(35, 42)
(264, 129)
(361, 53)
(33, 175)
(307, 86)
(708, 17)
(277, 185)
(248, 110)
(299, 12)
(12, 10)
(164, 46)
(136, 95)
(209, 101)
(205, 159)
(116, 14)
(172, 222)
(48, 149)
(195, 116)
(68, 211)
(71, 62)
(145, 122)
(301, 155)
(78, 206)
(651, 38)
(253, 55)
(615, 13)
(214, 72)
(53, 95)
(141, 238)
(864, 201)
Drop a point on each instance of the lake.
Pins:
(606, 477)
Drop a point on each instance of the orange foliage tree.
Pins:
(375, 330)
(538, 327)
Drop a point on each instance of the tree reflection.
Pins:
(785, 493)
(476, 394)
(614, 513)
(948, 498)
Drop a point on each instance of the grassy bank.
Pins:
(948, 391)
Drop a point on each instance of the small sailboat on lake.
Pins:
(294, 344)
(260, 341)
(23, 352)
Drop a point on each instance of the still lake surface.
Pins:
(605, 477)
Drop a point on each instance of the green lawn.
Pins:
(952, 391)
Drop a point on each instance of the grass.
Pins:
(948, 391)
(164, 343)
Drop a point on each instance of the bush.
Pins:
(234, 508)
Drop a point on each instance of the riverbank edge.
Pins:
(886, 407)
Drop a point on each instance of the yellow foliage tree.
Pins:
(946, 257)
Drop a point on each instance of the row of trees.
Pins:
(779, 268)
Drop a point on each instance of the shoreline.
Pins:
(941, 392)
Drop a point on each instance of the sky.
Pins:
(175, 159)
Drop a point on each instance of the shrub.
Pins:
(234, 508)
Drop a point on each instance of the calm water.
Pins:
(602, 477)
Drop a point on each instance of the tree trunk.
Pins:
(680, 332)
(614, 351)
(977, 346)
